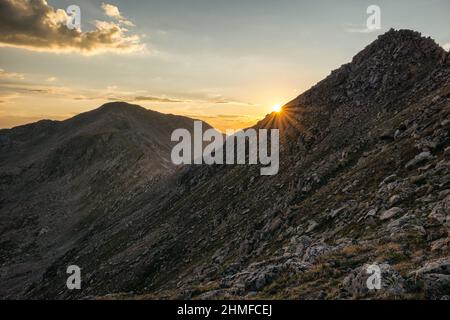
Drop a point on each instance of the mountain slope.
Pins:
(58, 178)
(364, 178)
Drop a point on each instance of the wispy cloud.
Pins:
(16, 88)
(206, 106)
(13, 84)
(39, 27)
(157, 99)
(446, 46)
(11, 75)
(219, 99)
(213, 98)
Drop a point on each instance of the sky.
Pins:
(226, 62)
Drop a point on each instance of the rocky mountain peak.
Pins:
(395, 62)
(400, 46)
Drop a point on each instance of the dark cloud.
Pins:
(157, 99)
(34, 25)
(229, 116)
(218, 99)
(29, 88)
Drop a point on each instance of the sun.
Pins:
(276, 108)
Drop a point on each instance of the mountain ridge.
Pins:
(364, 178)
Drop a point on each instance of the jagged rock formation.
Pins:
(364, 178)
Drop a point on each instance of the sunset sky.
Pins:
(226, 62)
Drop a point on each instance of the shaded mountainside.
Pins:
(364, 178)
(58, 178)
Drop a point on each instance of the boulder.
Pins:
(388, 214)
(420, 158)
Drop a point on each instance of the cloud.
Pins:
(113, 12)
(13, 88)
(157, 99)
(34, 25)
(11, 75)
(112, 93)
(214, 98)
(225, 100)
(47, 87)
(31, 88)
(229, 116)
(446, 46)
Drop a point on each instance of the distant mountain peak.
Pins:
(119, 105)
